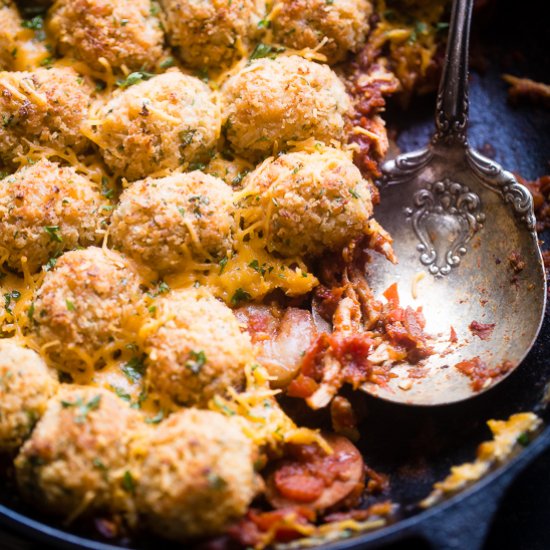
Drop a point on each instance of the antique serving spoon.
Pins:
(464, 235)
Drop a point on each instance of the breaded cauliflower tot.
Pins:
(82, 306)
(340, 26)
(272, 102)
(46, 209)
(198, 475)
(197, 349)
(166, 222)
(26, 385)
(10, 26)
(312, 201)
(159, 124)
(211, 33)
(76, 458)
(120, 31)
(45, 107)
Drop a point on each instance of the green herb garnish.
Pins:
(196, 361)
(53, 232)
(155, 419)
(134, 78)
(128, 483)
(265, 50)
(240, 296)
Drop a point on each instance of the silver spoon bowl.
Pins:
(468, 254)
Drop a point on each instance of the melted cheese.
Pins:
(410, 38)
(263, 420)
(507, 440)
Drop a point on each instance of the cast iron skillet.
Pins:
(417, 446)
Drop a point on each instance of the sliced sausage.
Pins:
(309, 477)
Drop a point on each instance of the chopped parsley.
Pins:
(14, 295)
(82, 408)
(106, 190)
(155, 419)
(196, 201)
(215, 481)
(134, 78)
(53, 232)
(523, 439)
(354, 194)
(125, 396)
(223, 407)
(128, 483)
(264, 23)
(98, 463)
(196, 361)
(50, 264)
(239, 178)
(134, 369)
(6, 121)
(30, 312)
(69, 304)
(166, 63)
(223, 263)
(265, 50)
(419, 28)
(186, 137)
(255, 265)
(36, 23)
(163, 287)
(240, 296)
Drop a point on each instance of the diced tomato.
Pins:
(392, 295)
(302, 386)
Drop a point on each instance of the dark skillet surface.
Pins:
(417, 446)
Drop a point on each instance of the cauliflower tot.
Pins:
(124, 33)
(166, 222)
(312, 202)
(169, 120)
(76, 460)
(10, 27)
(198, 475)
(197, 349)
(211, 33)
(332, 28)
(46, 209)
(26, 385)
(270, 103)
(45, 107)
(83, 305)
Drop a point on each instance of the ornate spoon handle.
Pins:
(451, 116)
